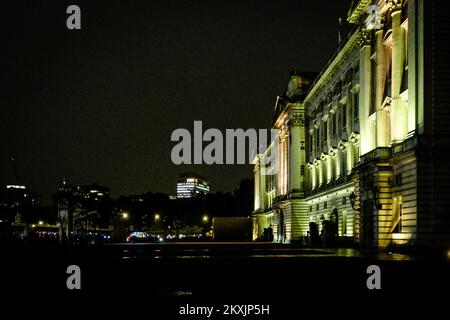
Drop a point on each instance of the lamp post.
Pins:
(120, 218)
(205, 220)
(352, 197)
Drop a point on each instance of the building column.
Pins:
(399, 112)
(262, 184)
(256, 186)
(282, 166)
(382, 124)
(367, 137)
(295, 161)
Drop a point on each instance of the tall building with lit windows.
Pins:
(364, 142)
(190, 185)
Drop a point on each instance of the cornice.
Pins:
(334, 66)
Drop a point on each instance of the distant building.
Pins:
(190, 185)
(90, 192)
(16, 203)
(81, 207)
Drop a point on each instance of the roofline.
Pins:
(334, 62)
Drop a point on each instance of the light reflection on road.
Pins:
(211, 250)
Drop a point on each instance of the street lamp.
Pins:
(125, 215)
(41, 222)
(205, 218)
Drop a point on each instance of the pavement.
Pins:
(226, 270)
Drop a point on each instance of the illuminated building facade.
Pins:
(190, 185)
(359, 143)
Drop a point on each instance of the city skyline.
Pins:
(100, 105)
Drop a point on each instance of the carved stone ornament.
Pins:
(364, 37)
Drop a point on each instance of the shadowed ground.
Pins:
(228, 270)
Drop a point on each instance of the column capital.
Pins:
(364, 37)
(297, 120)
(395, 5)
(284, 132)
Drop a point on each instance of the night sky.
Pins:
(99, 104)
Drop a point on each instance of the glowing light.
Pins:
(12, 186)
(125, 215)
(157, 216)
(41, 223)
(205, 218)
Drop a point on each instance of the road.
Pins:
(220, 270)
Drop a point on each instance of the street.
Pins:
(218, 270)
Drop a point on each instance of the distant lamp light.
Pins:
(157, 217)
(33, 225)
(125, 215)
(41, 222)
(205, 218)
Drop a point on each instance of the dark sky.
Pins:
(99, 104)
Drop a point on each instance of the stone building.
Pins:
(360, 142)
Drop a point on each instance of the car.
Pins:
(138, 236)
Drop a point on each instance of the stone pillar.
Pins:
(382, 122)
(257, 185)
(262, 184)
(295, 161)
(350, 154)
(367, 137)
(399, 112)
(413, 77)
(282, 168)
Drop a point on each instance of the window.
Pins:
(344, 115)
(372, 106)
(336, 123)
(343, 163)
(344, 224)
(344, 201)
(310, 208)
(302, 145)
(318, 139)
(397, 203)
(398, 179)
(333, 125)
(325, 205)
(317, 206)
(302, 170)
(356, 106)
